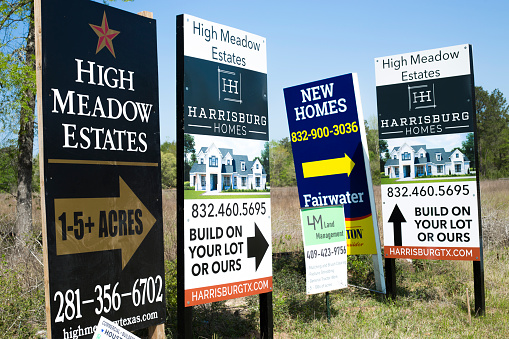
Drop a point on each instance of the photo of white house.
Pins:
(219, 169)
(413, 161)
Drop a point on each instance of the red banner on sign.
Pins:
(433, 253)
(239, 289)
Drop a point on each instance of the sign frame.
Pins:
(156, 326)
(427, 68)
(192, 46)
(304, 106)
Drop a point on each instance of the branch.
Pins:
(14, 9)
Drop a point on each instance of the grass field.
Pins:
(431, 302)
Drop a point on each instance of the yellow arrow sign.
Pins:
(327, 167)
(86, 225)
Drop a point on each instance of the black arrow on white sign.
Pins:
(257, 246)
(397, 218)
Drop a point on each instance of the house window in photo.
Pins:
(203, 181)
(457, 168)
(242, 166)
(440, 169)
(257, 181)
(244, 181)
(213, 161)
(406, 156)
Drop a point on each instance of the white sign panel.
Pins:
(423, 65)
(432, 220)
(224, 256)
(225, 45)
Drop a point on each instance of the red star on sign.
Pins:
(105, 35)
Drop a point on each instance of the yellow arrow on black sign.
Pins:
(86, 225)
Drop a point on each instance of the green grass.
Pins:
(198, 195)
(431, 302)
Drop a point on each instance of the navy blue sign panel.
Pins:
(327, 147)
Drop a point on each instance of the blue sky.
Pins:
(312, 40)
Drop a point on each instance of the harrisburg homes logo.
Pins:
(227, 121)
(421, 97)
(230, 85)
(96, 107)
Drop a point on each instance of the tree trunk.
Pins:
(26, 145)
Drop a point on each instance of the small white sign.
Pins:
(423, 65)
(109, 330)
(324, 235)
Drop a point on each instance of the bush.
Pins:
(21, 308)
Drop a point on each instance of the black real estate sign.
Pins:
(100, 164)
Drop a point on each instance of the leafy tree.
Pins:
(467, 148)
(168, 169)
(169, 164)
(17, 96)
(8, 176)
(189, 155)
(281, 163)
(265, 159)
(492, 114)
(169, 147)
(375, 159)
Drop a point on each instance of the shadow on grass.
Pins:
(218, 320)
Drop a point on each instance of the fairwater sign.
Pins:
(100, 161)
(426, 117)
(330, 154)
(324, 236)
(226, 226)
